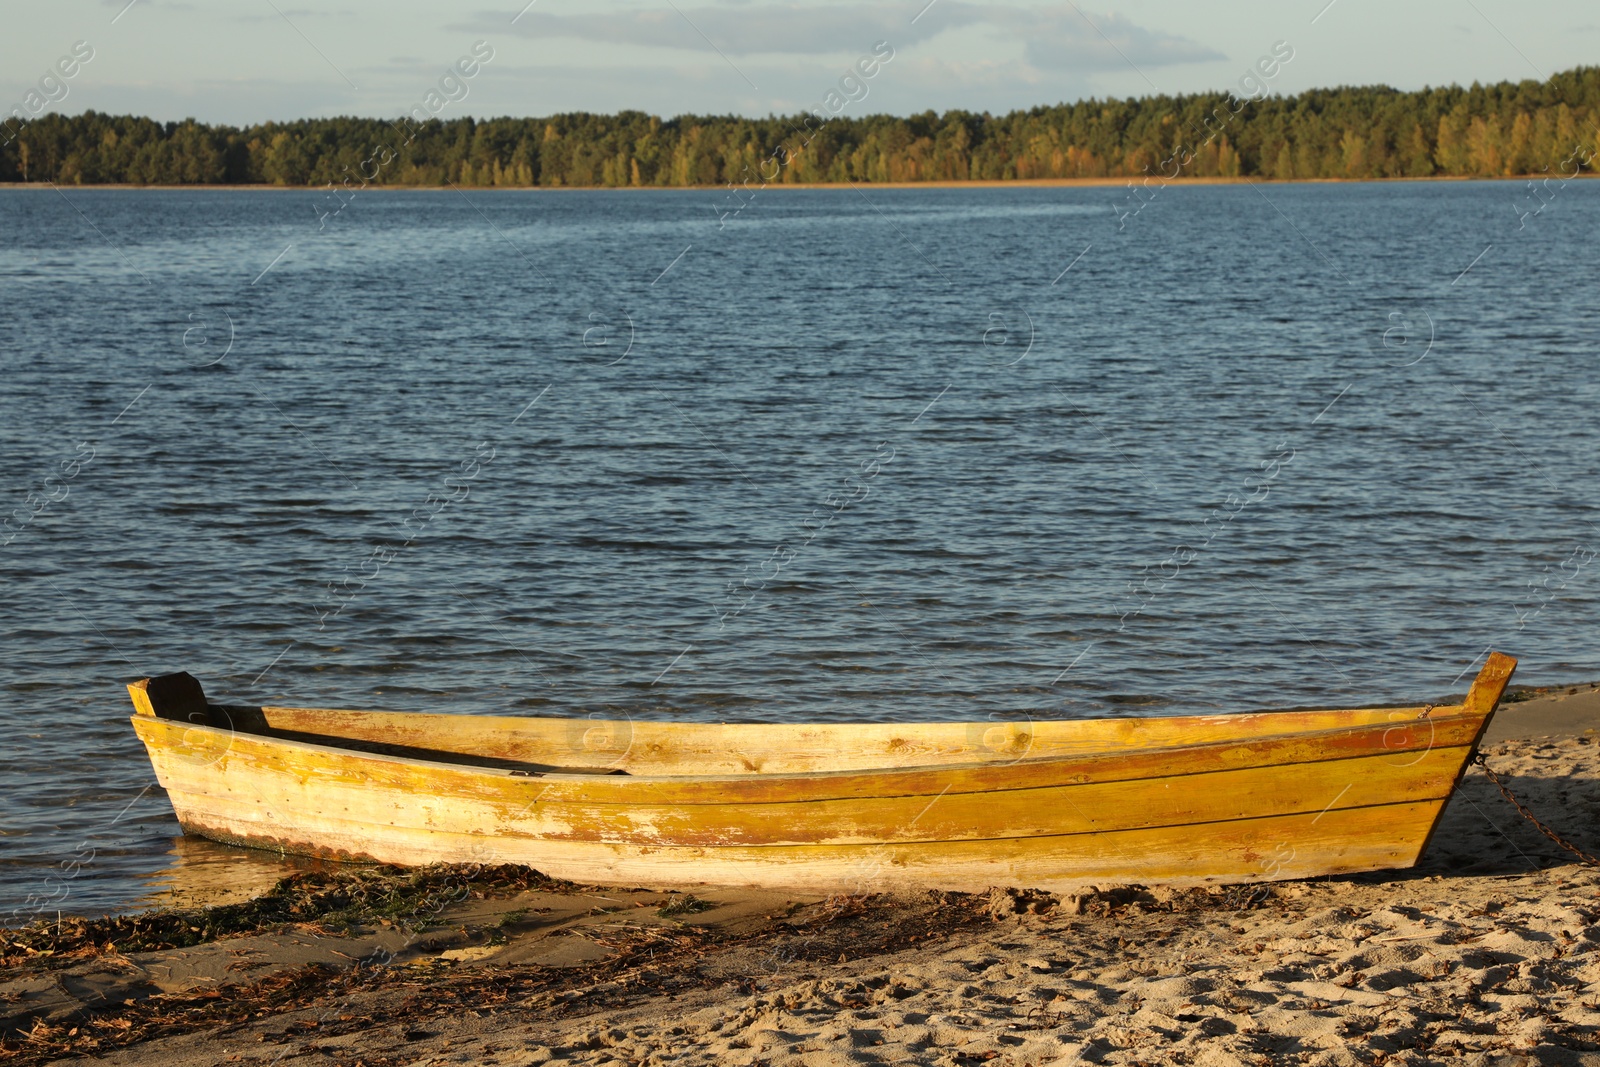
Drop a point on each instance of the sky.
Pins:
(246, 61)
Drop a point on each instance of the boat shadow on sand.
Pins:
(1481, 834)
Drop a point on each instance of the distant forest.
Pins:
(1512, 128)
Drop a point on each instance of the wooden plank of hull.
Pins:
(293, 783)
(1066, 833)
(217, 749)
(1264, 849)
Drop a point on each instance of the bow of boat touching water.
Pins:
(839, 807)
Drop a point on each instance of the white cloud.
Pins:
(1054, 36)
(1108, 42)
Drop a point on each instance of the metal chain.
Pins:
(1583, 857)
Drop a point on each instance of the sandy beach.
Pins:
(1487, 953)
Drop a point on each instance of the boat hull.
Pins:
(1215, 799)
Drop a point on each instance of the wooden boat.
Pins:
(836, 807)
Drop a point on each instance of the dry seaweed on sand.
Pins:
(687, 904)
(332, 901)
(643, 960)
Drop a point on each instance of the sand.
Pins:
(1487, 953)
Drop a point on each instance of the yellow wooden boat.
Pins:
(830, 807)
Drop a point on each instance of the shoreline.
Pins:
(1528, 712)
(1489, 946)
(1021, 183)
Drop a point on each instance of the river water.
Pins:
(860, 453)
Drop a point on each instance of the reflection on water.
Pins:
(201, 873)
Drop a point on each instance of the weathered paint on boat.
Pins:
(846, 807)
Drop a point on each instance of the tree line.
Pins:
(1505, 129)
